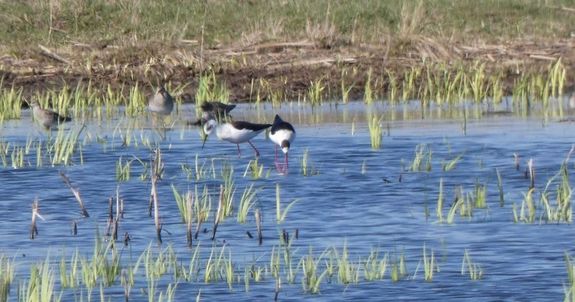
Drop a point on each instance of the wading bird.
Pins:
(46, 117)
(161, 102)
(236, 132)
(282, 134)
(216, 110)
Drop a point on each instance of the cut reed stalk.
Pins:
(531, 171)
(157, 167)
(439, 209)
(76, 193)
(189, 212)
(500, 188)
(219, 212)
(35, 213)
(258, 216)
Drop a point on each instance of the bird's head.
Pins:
(208, 128)
(285, 146)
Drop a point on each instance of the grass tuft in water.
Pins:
(422, 159)
(472, 269)
(247, 201)
(375, 131)
(281, 215)
(429, 265)
(374, 267)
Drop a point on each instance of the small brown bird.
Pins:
(46, 117)
(161, 103)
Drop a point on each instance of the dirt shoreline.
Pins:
(289, 68)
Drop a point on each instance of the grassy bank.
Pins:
(162, 23)
(284, 43)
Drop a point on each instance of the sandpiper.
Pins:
(282, 134)
(161, 103)
(46, 117)
(236, 132)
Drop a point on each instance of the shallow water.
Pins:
(357, 197)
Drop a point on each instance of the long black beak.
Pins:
(205, 138)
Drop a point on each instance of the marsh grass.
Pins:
(451, 164)
(70, 271)
(306, 167)
(281, 214)
(561, 209)
(375, 130)
(10, 103)
(527, 212)
(347, 271)
(312, 277)
(469, 267)
(255, 169)
(479, 196)
(202, 208)
(569, 289)
(63, 146)
(460, 205)
(374, 267)
(398, 268)
(217, 266)
(6, 277)
(315, 92)
(210, 89)
(247, 201)
(40, 287)
(368, 94)
(429, 265)
(422, 159)
(181, 202)
(346, 88)
(123, 170)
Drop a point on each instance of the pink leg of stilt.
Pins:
(257, 152)
(276, 158)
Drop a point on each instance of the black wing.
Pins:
(250, 126)
(279, 124)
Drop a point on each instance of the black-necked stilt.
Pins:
(219, 109)
(46, 117)
(161, 102)
(282, 134)
(215, 109)
(236, 132)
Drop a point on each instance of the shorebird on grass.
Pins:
(47, 118)
(161, 102)
(236, 132)
(282, 134)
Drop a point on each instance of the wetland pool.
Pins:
(367, 221)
